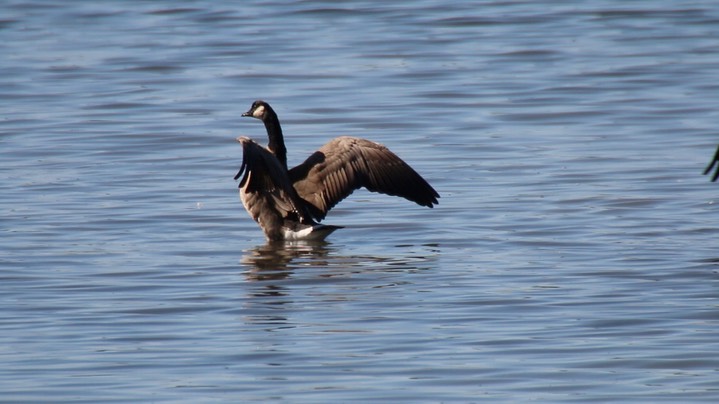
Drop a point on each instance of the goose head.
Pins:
(259, 109)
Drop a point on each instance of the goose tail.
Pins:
(313, 232)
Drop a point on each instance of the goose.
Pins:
(711, 165)
(288, 204)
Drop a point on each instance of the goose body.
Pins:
(712, 164)
(288, 204)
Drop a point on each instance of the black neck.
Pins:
(277, 142)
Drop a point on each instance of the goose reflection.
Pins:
(278, 285)
(275, 260)
(279, 260)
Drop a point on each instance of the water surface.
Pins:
(572, 256)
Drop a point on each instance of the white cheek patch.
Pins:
(258, 112)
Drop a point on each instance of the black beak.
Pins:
(248, 113)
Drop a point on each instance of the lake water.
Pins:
(572, 258)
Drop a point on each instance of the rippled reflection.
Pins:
(273, 261)
(285, 278)
(278, 260)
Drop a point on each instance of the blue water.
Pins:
(572, 257)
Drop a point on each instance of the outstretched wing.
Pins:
(715, 161)
(267, 192)
(345, 164)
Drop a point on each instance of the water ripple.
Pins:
(571, 258)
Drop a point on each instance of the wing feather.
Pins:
(345, 164)
(267, 192)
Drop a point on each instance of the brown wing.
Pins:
(267, 192)
(715, 161)
(345, 164)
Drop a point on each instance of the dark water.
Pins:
(572, 256)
